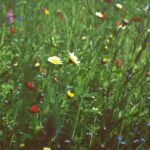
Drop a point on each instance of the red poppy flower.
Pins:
(136, 19)
(34, 109)
(11, 30)
(104, 15)
(118, 60)
(30, 85)
(118, 63)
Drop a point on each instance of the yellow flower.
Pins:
(148, 30)
(119, 6)
(111, 37)
(37, 65)
(15, 64)
(46, 11)
(121, 27)
(55, 60)
(104, 60)
(22, 145)
(74, 58)
(83, 38)
(46, 148)
(70, 94)
(106, 47)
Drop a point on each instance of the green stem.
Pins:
(77, 117)
(93, 131)
(2, 37)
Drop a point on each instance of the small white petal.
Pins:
(98, 14)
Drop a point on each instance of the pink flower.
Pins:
(10, 16)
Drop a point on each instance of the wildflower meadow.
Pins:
(74, 75)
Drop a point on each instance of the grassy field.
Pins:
(74, 75)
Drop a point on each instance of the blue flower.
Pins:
(119, 138)
(123, 143)
(19, 18)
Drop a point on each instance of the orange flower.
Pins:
(118, 23)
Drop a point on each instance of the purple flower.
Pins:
(136, 141)
(123, 143)
(10, 16)
(119, 138)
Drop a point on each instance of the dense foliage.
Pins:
(74, 75)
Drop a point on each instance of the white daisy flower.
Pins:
(74, 58)
(55, 60)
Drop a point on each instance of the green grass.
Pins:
(110, 99)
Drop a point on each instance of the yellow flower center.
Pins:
(55, 61)
(73, 60)
(70, 94)
(105, 60)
